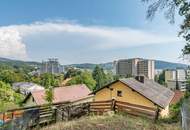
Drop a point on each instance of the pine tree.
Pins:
(99, 76)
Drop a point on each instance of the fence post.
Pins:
(113, 105)
(68, 113)
(38, 119)
(55, 113)
(157, 114)
(88, 107)
(62, 114)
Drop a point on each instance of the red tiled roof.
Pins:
(178, 95)
(61, 94)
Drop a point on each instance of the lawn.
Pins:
(114, 122)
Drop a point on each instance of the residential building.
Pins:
(188, 73)
(146, 67)
(134, 67)
(171, 84)
(26, 87)
(181, 79)
(74, 93)
(51, 66)
(177, 97)
(139, 91)
(182, 85)
(127, 67)
(176, 79)
(170, 75)
(181, 74)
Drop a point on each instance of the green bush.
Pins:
(175, 110)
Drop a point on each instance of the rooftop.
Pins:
(151, 90)
(63, 94)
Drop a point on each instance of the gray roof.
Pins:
(23, 84)
(153, 91)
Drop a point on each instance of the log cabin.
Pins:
(139, 91)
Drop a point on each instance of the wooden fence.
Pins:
(65, 111)
(29, 116)
(137, 110)
(70, 112)
(100, 107)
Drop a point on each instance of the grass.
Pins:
(115, 122)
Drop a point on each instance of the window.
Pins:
(119, 93)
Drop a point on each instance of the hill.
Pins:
(18, 65)
(106, 66)
(26, 66)
(168, 65)
(12, 62)
(109, 66)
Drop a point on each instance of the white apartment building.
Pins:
(146, 67)
(170, 75)
(181, 79)
(181, 74)
(176, 79)
(134, 67)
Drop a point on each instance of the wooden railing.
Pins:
(69, 112)
(100, 107)
(35, 115)
(65, 111)
(137, 110)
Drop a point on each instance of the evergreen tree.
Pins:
(99, 76)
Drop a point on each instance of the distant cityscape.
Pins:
(51, 66)
(174, 79)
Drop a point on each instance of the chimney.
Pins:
(140, 78)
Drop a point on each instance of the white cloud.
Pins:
(11, 44)
(97, 37)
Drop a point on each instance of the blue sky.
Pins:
(78, 31)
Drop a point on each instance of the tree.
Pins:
(8, 97)
(71, 72)
(48, 82)
(48, 79)
(49, 94)
(99, 76)
(170, 7)
(161, 78)
(83, 78)
(109, 77)
(9, 76)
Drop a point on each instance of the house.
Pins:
(139, 91)
(26, 87)
(74, 93)
(177, 97)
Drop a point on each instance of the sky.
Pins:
(85, 31)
